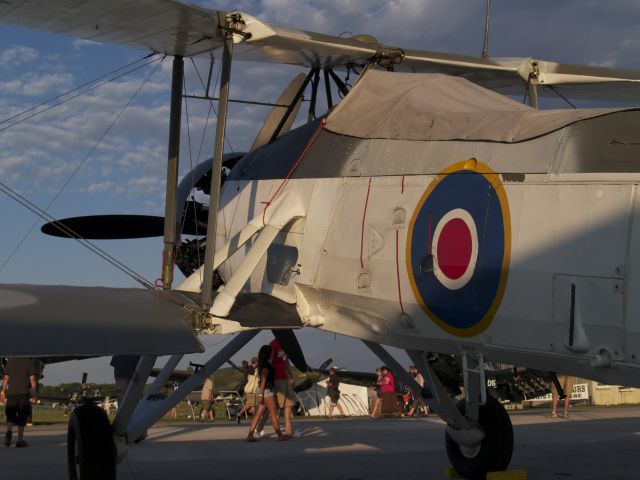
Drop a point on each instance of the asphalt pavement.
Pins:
(594, 443)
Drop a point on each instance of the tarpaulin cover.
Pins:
(411, 106)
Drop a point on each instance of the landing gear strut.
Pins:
(91, 453)
(479, 435)
(493, 453)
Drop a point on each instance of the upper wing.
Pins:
(174, 28)
(42, 320)
(163, 26)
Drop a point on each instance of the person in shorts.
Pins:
(206, 400)
(333, 392)
(253, 382)
(265, 396)
(566, 382)
(283, 387)
(19, 389)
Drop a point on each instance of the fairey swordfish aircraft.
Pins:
(426, 211)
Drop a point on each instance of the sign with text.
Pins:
(580, 392)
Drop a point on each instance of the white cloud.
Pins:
(79, 43)
(11, 87)
(48, 83)
(11, 162)
(146, 184)
(31, 84)
(18, 55)
(100, 187)
(132, 156)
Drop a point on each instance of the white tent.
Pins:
(353, 398)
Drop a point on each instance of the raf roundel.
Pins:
(455, 249)
(458, 248)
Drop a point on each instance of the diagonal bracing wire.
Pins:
(62, 95)
(83, 241)
(39, 112)
(73, 174)
(211, 100)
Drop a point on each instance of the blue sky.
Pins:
(126, 171)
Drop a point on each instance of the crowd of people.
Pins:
(268, 391)
(272, 385)
(385, 399)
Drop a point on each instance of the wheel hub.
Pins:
(470, 451)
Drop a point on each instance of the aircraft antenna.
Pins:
(485, 43)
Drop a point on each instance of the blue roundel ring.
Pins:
(458, 248)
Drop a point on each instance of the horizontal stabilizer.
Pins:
(52, 320)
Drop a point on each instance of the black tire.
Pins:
(494, 453)
(91, 453)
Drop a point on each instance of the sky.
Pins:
(105, 151)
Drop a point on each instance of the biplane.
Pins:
(426, 210)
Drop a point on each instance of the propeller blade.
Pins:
(305, 384)
(289, 343)
(106, 227)
(112, 227)
(176, 376)
(364, 379)
(325, 364)
(277, 113)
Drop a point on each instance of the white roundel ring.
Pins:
(455, 249)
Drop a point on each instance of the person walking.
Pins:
(19, 391)
(377, 401)
(253, 382)
(206, 401)
(418, 403)
(389, 400)
(283, 386)
(333, 391)
(265, 395)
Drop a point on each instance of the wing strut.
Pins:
(214, 197)
(532, 89)
(171, 209)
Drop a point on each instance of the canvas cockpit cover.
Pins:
(411, 106)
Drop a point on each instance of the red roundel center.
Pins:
(454, 248)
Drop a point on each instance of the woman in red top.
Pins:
(388, 393)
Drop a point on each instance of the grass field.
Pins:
(49, 414)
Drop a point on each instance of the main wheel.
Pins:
(91, 453)
(495, 450)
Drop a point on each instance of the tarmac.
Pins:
(594, 443)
